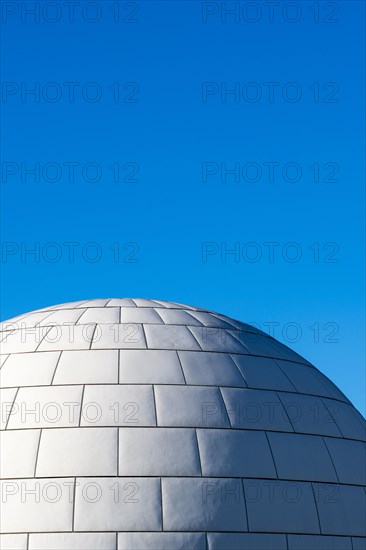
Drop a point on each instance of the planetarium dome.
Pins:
(141, 424)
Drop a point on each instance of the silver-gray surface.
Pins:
(142, 424)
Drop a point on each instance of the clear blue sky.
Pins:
(171, 129)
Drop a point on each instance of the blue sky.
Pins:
(134, 124)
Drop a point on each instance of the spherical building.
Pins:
(143, 424)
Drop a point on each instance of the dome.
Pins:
(143, 424)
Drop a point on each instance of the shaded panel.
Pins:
(247, 541)
(308, 414)
(280, 506)
(118, 504)
(318, 542)
(6, 405)
(67, 305)
(349, 421)
(143, 302)
(121, 302)
(46, 407)
(255, 409)
(235, 453)
(217, 339)
(208, 320)
(63, 317)
(173, 305)
(72, 541)
(100, 315)
(150, 367)
(284, 352)
(118, 406)
(99, 302)
(305, 379)
(255, 343)
(87, 367)
(308, 379)
(190, 406)
(262, 372)
(67, 338)
(13, 542)
(22, 340)
(163, 541)
(342, 509)
(20, 512)
(170, 337)
(177, 317)
(349, 459)
(203, 504)
(77, 452)
(26, 321)
(158, 452)
(302, 457)
(213, 369)
(29, 369)
(18, 451)
(140, 315)
(119, 336)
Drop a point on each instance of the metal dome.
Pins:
(144, 424)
